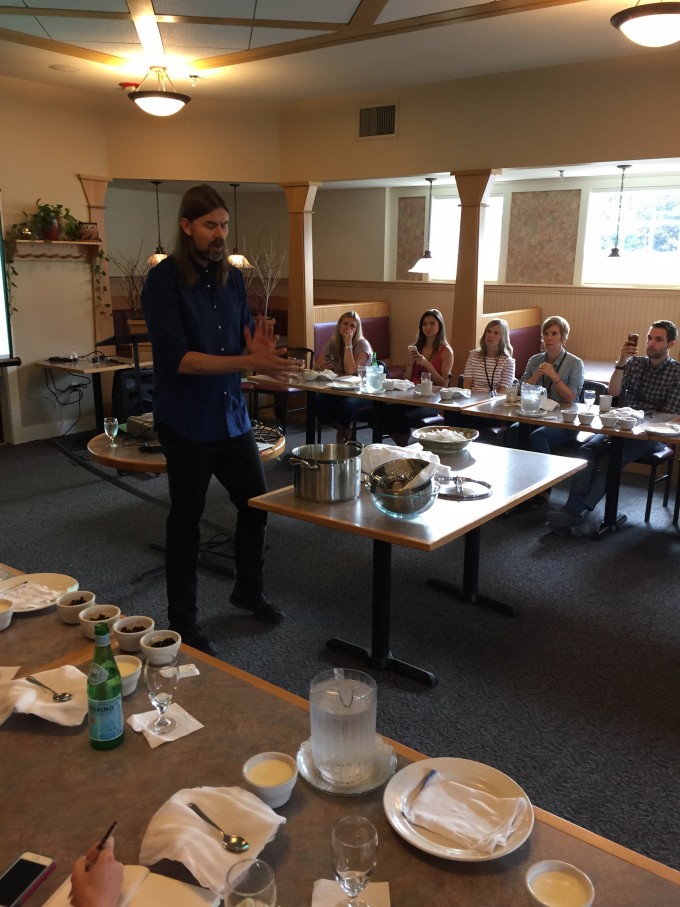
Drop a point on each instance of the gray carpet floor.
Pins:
(576, 698)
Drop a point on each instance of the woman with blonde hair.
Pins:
(491, 368)
(343, 354)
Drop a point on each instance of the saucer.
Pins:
(384, 768)
(538, 415)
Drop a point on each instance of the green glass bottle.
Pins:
(104, 694)
(374, 360)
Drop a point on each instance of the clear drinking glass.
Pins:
(161, 679)
(296, 367)
(251, 883)
(111, 430)
(588, 398)
(361, 372)
(354, 852)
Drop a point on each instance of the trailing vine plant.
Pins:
(99, 284)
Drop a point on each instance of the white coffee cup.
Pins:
(605, 403)
(426, 386)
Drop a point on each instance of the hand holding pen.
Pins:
(97, 877)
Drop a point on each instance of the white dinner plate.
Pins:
(348, 379)
(406, 784)
(663, 428)
(57, 582)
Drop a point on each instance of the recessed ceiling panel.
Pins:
(234, 9)
(308, 10)
(104, 6)
(406, 9)
(223, 38)
(81, 31)
(263, 37)
(27, 25)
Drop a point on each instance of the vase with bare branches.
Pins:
(267, 266)
(133, 273)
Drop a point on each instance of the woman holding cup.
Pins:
(430, 361)
(344, 353)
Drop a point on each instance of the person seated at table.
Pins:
(491, 368)
(344, 353)
(100, 884)
(431, 356)
(562, 375)
(650, 382)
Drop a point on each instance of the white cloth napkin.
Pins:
(446, 434)
(402, 384)
(186, 724)
(328, 373)
(549, 405)
(329, 894)
(624, 411)
(468, 818)
(461, 392)
(27, 698)
(29, 595)
(374, 455)
(423, 476)
(177, 833)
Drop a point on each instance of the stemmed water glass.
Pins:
(354, 851)
(589, 398)
(252, 883)
(161, 677)
(111, 430)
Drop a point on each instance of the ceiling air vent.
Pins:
(377, 121)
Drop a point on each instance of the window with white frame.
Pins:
(649, 238)
(444, 234)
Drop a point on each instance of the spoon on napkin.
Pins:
(58, 697)
(233, 843)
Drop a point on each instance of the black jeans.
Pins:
(236, 464)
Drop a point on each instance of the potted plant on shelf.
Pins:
(49, 221)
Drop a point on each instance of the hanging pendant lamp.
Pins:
(424, 265)
(161, 102)
(236, 258)
(160, 252)
(615, 251)
(651, 25)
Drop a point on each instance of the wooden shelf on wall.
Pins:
(58, 250)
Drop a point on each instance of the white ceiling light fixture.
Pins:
(651, 25)
(160, 102)
(615, 251)
(160, 252)
(424, 265)
(236, 258)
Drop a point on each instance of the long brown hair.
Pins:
(197, 202)
(440, 339)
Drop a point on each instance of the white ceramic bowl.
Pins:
(98, 614)
(130, 668)
(553, 883)
(446, 393)
(129, 631)
(627, 423)
(149, 650)
(70, 604)
(431, 438)
(569, 416)
(586, 418)
(608, 421)
(309, 374)
(6, 612)
(271, 776)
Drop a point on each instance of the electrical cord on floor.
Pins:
(221, 545)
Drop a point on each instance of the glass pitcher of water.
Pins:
(532, 398)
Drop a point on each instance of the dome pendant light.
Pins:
(159, 103)
(651, 25)
(160, 252)
(236, 259)
(615, 251)
(424, 265)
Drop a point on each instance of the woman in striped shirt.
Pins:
(491, 368)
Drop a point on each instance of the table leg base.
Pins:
(471, 598)
(384, 663)
(610, 527)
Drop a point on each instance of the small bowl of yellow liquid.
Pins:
(553, 883)
(271, 776)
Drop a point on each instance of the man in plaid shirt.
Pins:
(650, 382)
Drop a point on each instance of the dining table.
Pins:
(650, 427)
(59, 795)
(513, 476)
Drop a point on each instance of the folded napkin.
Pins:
(177, 833)
(186, 724)
(445, 434)
(402, 384)
(374, 455)
(469, 819)
(549, 405)
(328, 373)
(624, 411)
(29, 595)
(461, 392)
(330, 894)
(27, 698)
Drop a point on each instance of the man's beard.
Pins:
(214, 252)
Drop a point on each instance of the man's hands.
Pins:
(263, 354)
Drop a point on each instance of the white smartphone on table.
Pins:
(20, 879)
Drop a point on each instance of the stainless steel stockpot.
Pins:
(327, 472)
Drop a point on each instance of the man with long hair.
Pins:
(203, 337)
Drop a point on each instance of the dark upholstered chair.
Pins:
(281, 392)
(655, 460)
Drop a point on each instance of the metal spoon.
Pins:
(58, 697)
(234, 843)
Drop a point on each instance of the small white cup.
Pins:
(552, 883)
(446, 393)
(605, 403)
(569, 416)
(271, 776)
(586, 418)
(426, 386)
(609, 420)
